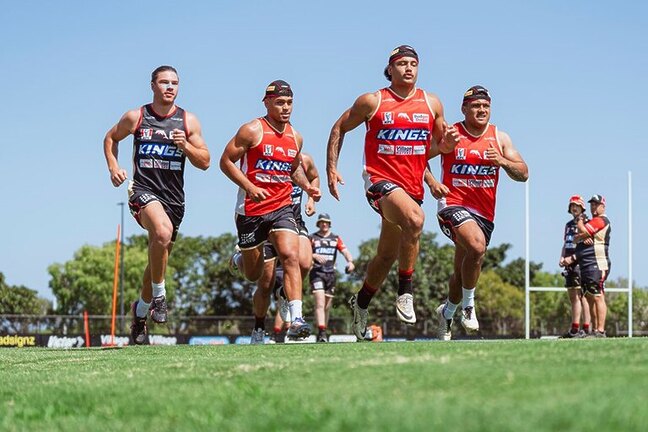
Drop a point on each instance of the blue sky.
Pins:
(567, 80)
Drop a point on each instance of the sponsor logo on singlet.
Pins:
(388, 118)
(420, 118)
(387, 149)
(271, 165)
(470, 169)
(268, 150)
(461, 154)
(146, 134)
(159, 150)
(399, 134)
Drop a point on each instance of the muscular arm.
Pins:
(248, 135)
(510, 160)
(362, 108)
(126, 126)
(444, 137)
(299, 175)
(313, 177)
(194, 146)
(437, 189)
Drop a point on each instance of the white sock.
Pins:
(449, 310)
(468, 298)
(142, 308)
(295, 309)
(158, 289)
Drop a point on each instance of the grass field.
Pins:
(560, 385)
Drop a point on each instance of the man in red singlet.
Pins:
(269, 151)
(405, 126)
(467, 201)
(164, 136)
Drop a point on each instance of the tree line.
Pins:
(199, 284)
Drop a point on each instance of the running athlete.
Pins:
(269, 151)
(467, 211)
(572, 272)
(165, 136)
(325, 246)
(272, 271)
(405, 126)
(594, 261)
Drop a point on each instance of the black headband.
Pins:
(398, 52)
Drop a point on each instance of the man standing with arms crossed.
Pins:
(405, 126)
(468, 190)
(594, 261)
(268, 149)
(572, 272)
(164, 136)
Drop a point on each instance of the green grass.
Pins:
(580, 385)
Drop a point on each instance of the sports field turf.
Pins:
(559, 385)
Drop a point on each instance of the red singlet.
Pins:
(471, 178)
(268, 165)
(398, 140)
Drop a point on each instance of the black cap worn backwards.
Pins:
(476, 92)
(398, 52)
(278, 88)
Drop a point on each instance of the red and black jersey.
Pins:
(327, 246)
(268, 165)
(571, 229)
(398, 140)
(597, 254)
(471, 178)
(158, 164)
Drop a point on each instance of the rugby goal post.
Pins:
(527, 277)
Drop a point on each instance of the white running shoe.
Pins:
(444, 331)
(405, 308)
(258, 337)
(284, 309)
(231, 265)
(469, 320)
(359, 325)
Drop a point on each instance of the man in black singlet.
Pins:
(165, 136)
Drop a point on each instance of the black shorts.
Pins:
(254, 230)
(572, 276)
(139, 198)
(593, 280)
(323, 281)
(269, 251)
(279, 283)
(301, 225)
(452, 217)
(379, 190)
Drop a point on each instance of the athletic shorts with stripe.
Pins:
(572, 276)
(254, 230)
(379, 190)
(139, 198)
(452, 217)
(321, 281)
(593, 280)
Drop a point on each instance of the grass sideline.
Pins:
(536, 385)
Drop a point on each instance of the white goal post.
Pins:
(527, 276)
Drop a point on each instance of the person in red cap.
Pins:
(269, 152)
(405, 125)
(466, 201)
(579, 305)
(594, 260)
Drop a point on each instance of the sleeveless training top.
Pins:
(268, 165)
(328, 247)
(398, 140)
(471, 178)
(158, 165)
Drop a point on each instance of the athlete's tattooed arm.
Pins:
(360, 112)
(509, 159)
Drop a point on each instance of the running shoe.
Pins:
(258, 337)
(232, 267)
(444, 331)
(359, 325)
(158, 309)
(469, 320)
(298, 329)
(138, 327)
(322, 336)
(405, 308)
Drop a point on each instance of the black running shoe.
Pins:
(322, 336)
(138, 327)
(570, 334)
(158, 309)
